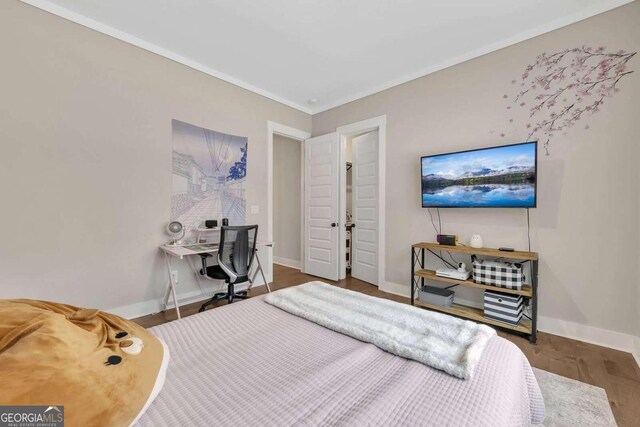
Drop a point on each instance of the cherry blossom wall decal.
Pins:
(559, 90)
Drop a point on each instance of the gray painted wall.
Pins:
(85, 169)
(586, 226)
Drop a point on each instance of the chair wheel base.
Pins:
(242, 295)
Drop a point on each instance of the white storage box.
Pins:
(503, 307)
(501, 274)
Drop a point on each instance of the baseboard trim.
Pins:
(576, 331)
(395, 288)
(291, 263)
(152, 306)
(586, 333)
(636, 351)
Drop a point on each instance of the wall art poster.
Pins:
(208, 176)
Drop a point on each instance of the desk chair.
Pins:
(235, 256)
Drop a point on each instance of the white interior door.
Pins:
(321, 206)
(364, 262)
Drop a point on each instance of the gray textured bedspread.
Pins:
(252, 364)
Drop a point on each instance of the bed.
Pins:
(251, 363)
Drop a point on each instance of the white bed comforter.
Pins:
(443, 342)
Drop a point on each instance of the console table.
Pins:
(419, 273)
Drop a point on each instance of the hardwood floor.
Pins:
(615, 371)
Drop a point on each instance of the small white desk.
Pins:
(182, 251)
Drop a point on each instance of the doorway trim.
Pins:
(344, 132)
(274, 128)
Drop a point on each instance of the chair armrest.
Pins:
(232, 274)
(204, 257)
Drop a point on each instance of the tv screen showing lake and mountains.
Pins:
(491, 177)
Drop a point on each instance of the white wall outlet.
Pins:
(255, 209)
(174, 276)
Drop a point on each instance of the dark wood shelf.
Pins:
(526, 290)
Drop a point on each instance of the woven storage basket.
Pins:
(501, 274)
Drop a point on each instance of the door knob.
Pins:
(334, 224)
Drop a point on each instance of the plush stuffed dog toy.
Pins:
(103, 369)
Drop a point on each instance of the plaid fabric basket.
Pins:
(501, 274)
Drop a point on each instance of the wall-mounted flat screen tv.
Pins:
(495, 177)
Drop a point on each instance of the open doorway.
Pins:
(361, 184)
(362, 200)
(284, 144)
(287, 201)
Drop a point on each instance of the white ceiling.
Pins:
(333, 50)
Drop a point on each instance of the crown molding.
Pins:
(80, 19)
(605, 6)
(77, 18)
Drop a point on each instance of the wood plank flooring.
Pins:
(615, 371)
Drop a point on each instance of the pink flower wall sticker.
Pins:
(559, 90)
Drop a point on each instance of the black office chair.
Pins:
(235, 256)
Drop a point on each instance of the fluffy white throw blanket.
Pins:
(435, 339)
